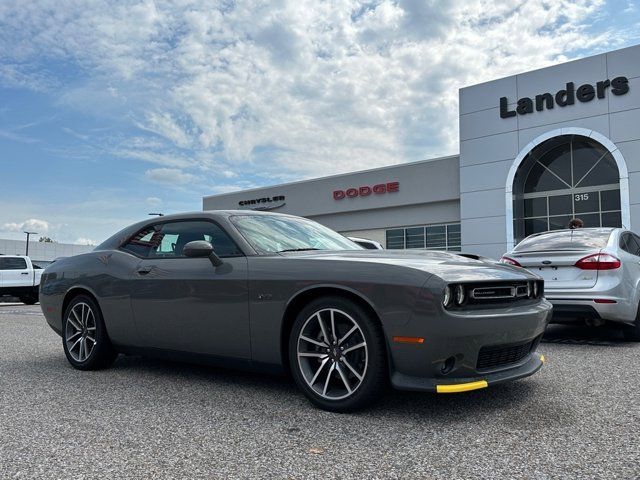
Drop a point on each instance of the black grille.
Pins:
(501, 355)
(497, 292)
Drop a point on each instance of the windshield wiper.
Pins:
(297, 249)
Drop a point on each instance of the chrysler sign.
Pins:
(564, 97)
(264, 203)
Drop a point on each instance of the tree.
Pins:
(46, 240)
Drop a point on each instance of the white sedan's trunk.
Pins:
(558, 269)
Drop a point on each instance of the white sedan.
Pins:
(592, 274)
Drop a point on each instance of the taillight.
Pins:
(598, 261)
(509, 261)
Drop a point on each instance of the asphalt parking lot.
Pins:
(578, 418)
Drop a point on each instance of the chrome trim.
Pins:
(475, 291)
(499, 292)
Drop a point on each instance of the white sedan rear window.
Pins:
(578, 239)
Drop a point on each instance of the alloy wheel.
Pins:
(80, 332)
(332, 354)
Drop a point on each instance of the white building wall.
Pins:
(490, 144)
(42, 251)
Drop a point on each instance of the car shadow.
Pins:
(159, 378)
(453, 408)
(195, 371)
(581, 334)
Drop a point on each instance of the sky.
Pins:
(112, 110)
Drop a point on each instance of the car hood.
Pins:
(448, 266)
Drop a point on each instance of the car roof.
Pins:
(117, 238)
(213, 213)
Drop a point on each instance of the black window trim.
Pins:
(121, 246)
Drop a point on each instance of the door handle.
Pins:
(24, 273)
(144, 270)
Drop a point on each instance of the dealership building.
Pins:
(536, 150)
(42, 253)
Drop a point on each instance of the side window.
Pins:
(630, 244)
(143, 242)
(13, 264)
(636, 244)
(623, 242)
(167, 240)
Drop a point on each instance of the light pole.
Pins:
(158, 214)
(28, 234)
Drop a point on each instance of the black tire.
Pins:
(28, 300)
(632, 332)
(102, 354)
(375, 377)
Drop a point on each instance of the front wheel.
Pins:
(337, 355)
(84, 336)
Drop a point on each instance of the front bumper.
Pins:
(457, 385)
(462, 340)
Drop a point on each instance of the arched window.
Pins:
(565, 177)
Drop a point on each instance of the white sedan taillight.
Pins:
(509, 261)
(598, 261)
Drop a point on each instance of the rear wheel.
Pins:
(84, 336)
(632, 332)
(29, 300)
(337, 355)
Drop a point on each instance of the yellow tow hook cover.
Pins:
(462, 387)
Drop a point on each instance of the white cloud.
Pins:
(31, 225)
(170, 176)
(165, 126)
(150, 156)
(72, 132)
(289, 89)
(154, 201)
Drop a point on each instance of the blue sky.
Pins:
(109, 111)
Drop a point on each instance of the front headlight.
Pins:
(536, 289)
(446, 298)
(459, 294)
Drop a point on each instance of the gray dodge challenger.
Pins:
(280, 293)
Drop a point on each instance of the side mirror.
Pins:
(202, 248)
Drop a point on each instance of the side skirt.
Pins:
(203, 359)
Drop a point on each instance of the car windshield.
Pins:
(275, 233)
(578, 239)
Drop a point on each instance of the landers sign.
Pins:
(567, 96)
(366, 190)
